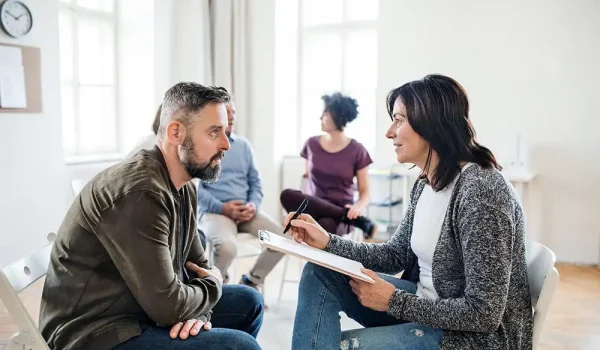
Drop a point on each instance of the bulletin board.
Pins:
(33, 80)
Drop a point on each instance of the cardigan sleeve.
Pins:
(487, 239)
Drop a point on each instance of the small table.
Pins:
(520, 178)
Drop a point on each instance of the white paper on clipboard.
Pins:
(314, 255)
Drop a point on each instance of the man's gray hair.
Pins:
(185, 99)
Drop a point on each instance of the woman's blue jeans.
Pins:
(323, 293)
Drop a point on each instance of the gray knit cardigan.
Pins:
(479, 268)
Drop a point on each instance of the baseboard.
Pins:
(578, 263)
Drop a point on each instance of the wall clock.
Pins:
(15, 18)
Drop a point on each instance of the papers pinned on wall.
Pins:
(12, 78)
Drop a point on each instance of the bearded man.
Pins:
(127, 270)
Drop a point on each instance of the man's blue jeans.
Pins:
(236, 320)
(323, 293)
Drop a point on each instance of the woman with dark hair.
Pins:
(460, 246)
(333, 160)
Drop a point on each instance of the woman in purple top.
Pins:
(332, 162)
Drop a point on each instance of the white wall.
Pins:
(136, 65)
(33, 190)
(181, 46)
(530, 67)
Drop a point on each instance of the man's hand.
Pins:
(191, 327)
(202, 273)
(233, 209)
(248, 212)
(375, 296)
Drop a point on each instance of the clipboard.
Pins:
(314, 255)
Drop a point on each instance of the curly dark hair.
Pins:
(343, 109)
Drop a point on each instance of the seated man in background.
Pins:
(231, 205)
(127, 270)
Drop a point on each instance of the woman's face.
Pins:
(410, 146)
(327, 123)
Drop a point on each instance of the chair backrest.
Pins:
(78, 185)
(543, 279)
(14, 279)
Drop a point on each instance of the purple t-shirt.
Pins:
(331, 175)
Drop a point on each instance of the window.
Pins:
(338, 52)
(87, 38)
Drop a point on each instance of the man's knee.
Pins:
(243, 340)
(225, 250)
(253, 300)
(226, 338)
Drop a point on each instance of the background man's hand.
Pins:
(248, 212)
(233, 209)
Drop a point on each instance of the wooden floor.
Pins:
(573, 321)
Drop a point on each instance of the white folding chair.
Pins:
(245, 250)
(13, 280)
(543, 280)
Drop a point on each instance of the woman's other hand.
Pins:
(375, 296)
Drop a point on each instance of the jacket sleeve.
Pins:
(197, 255)
(487, 238)
(135, 233)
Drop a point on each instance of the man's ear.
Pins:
(175, 132)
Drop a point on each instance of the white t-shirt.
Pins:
(427, 227)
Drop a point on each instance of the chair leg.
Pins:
(283, 280)
(233, 276)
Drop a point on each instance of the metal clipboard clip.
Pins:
(264, 235)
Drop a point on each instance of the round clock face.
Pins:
(15, 18)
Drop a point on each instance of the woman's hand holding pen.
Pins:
(306, 229)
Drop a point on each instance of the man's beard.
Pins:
(199, 170)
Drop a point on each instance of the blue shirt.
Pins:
(239, 179)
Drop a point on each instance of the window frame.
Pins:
(77, 12)
(343, 28)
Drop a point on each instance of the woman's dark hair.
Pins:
(437, 108)
(342, 108)
(156, 123)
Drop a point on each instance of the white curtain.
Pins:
(190, 42)
(209, 47)
(229, 19)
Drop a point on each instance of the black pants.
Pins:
(327, 214)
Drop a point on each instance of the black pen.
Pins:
(300, 210)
